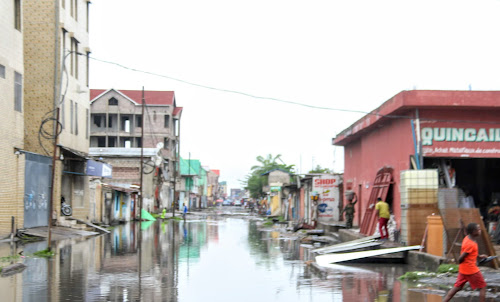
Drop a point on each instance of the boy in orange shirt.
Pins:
(468, 271)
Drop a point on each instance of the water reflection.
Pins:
(212, 259)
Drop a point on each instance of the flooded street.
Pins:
(220, 258)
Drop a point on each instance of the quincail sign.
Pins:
(430, 135)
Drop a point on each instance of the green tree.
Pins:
(255, 180)
(318, 169)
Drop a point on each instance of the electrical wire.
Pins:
(391, 116)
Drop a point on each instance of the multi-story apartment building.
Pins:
(118, 132)
(12, 121)
(212, 186)
(56, 77)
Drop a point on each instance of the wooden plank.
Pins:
(335, 258)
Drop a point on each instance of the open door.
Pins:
(380, 187)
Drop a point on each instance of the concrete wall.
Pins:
(11, 123)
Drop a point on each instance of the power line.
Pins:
(392, 116)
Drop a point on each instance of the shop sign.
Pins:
(95, 168)
(476, 141)
(327, 187)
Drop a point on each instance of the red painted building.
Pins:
(459, 127)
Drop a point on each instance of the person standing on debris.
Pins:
(383, 213)
(468, 271)
(349, 213)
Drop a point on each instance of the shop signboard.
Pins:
(327, 188)
(460, 140)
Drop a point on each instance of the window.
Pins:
(138, 120)
(167, 120)
(63, 41)
(139, 142)
(87, 123)
(111, 141)
(113, 102)
(110, 122)
(97, 120)
(74, 58)
(165, 143)
(88, 9)
(101, 141)
(74, 9)
(76, 118)
(18, 92)
(2, 71)
(71, 117)
(17, 14)
(88, 68)
(62, 115)
(125, 124)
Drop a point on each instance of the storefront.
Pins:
(456, 133)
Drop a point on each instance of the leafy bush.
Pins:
(447, 268)
(44, 253)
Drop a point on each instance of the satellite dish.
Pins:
(159, 145)
(158, 160)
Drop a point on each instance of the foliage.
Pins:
(447, 268)
(318, 169)
(413, 276)
(44, 253)
(178, 218)
(9, 258)
(255, 181)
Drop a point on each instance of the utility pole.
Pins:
(54, 160)
(191, 181)
(142, 154)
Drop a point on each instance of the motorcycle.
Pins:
(65, 208)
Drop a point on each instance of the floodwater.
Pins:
(211, 259)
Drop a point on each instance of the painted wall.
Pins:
(390, 145)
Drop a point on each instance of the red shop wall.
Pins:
(390, 145)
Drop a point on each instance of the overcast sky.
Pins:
(349, 55)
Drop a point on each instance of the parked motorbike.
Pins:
(65, 208)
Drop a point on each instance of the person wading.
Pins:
(468, 271)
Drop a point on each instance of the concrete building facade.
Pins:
(117, 123)
(12, 122)
(56, 49)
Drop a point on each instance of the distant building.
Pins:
(222, 189)
(212, 187)
(116, 135)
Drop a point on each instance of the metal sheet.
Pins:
(325, 260)
(37, 194)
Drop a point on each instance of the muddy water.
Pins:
(213, 259)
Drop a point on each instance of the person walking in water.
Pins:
(184, 211)
(383, 213)
(468, 271)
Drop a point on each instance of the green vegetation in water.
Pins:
(26, 238)
(268, 223)
(413, 276)
(442, 269)
(447, 268)
(281, 219)
(9, 258)
(178, 218)
(44, 253)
